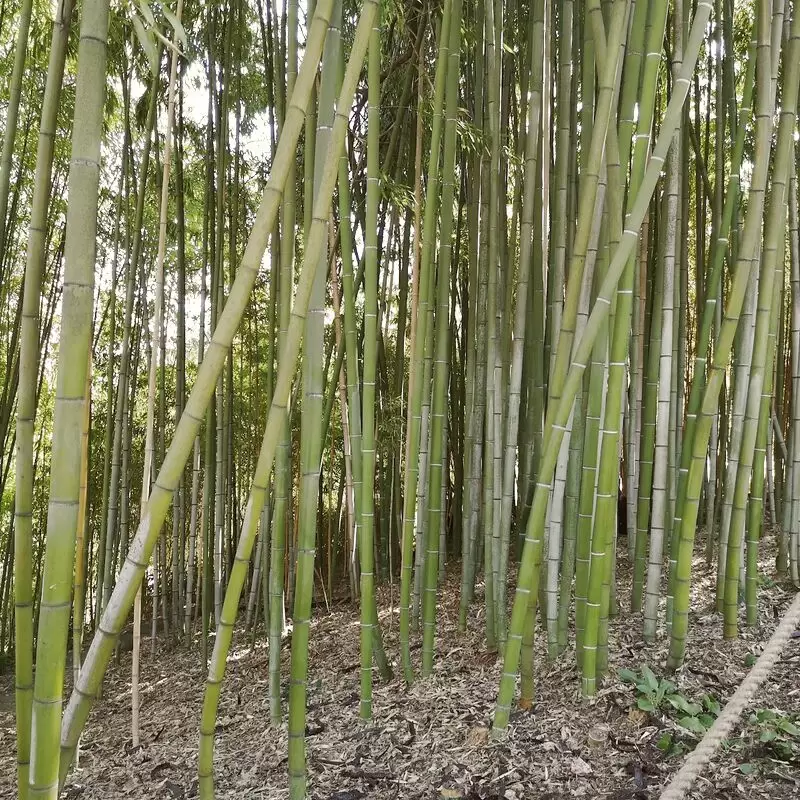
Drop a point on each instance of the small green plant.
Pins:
(696, 717)
(670, 745)
(655, 693)
(766, 581)
(779, 733)
(652, 691)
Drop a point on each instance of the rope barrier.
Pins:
(704, 752)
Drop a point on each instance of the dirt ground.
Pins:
(430, 741)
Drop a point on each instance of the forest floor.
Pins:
(430, 741)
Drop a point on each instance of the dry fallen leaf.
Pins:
(477, 736)
(580, 767)
(637, 716)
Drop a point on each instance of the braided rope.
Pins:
(703, 753)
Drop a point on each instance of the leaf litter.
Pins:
(432, 740)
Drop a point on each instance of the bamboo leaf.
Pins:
(146, 13)
(147, 43)
(180, 32)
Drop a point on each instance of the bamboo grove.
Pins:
(352, 295)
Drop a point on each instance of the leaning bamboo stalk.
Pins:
(595, 620)
(141, 547)
(712, 307)
(286, 369)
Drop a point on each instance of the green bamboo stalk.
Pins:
(74, 340)
(474, 383)
(283, 453)
(81, 538)
(491, 213)
(22, 25)
(716, 221)
(327, 149)
(222, 72)
(26, 398)
(438, 458)
(743, 355)
(774, 252)
(594, 622)
(525, 287)
(608, 63)
(791, 528)
(643, 554)
(369, 618)
(527, 585)
(314, 249)
(112, 343)
(558, 257)
(594, 381)
(596, 264)
(719, 247)
(156, 353)
(759, 393)
(747, 251)
(124, 383)
(654, 38)
(416, 387)
(421, 523)
(659, 530)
